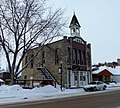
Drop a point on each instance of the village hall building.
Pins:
(72, 54)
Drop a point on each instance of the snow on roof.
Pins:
(114, 71)
(2, 71)
(1, 80)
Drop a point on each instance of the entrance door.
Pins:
(76, 81)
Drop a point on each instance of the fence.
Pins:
(30, 83)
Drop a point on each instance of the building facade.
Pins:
(72, 53)
(107, 74)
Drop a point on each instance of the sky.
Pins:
(100, 25)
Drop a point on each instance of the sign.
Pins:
(59, 70)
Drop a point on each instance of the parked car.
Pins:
(95, 85)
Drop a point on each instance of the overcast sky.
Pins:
(100, 25)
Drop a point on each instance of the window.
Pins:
(73, 30)
(43, 57)
(79, 56)
(81, 76)
(25, 77)
(26, 60)
(76, 76)
(32, 61)
(83, 58)
(56, 56)
(88, 59)
(74, 56)
(68, 55)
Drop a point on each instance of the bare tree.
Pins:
(25, 24)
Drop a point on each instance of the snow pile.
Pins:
(44, 89)
(10, 89)
(1, 80)
(113, 85)
(16, 93)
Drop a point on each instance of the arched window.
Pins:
(57, 56)
(73, 30)
(74, 56)
(79, 56)
(32, 61)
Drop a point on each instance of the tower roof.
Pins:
(74, 21)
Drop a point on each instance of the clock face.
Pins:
(79, 40)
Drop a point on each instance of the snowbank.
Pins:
(110, 85)
(44, 89)
(1, 80)
(16, 93)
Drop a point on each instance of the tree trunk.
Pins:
(12, 81)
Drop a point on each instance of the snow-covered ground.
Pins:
(15, 93)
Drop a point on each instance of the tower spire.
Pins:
(74, 27)
(73, 12)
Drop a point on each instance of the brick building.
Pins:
(72, 53)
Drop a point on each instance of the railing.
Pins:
(31, 83)
(47, 74)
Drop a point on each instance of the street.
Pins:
(100, 100)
